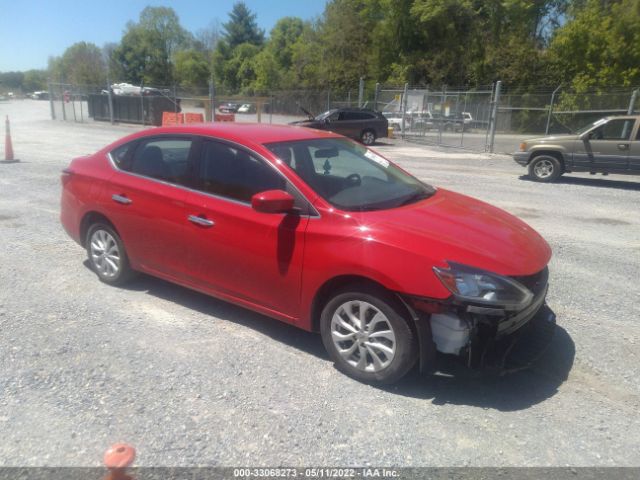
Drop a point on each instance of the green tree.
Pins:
(192, 68)
(80, 64)
(242, 27)
(347, 50)
(233, 62)
(34, 80)
(274, 63)
(147, 47)
(598, 46)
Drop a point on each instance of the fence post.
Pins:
(175, 102)
(271, 99)
(553, 97)
(361, 92)
(376, 95)
(64, 110)
(142, 102)
(329, 99)
(404, 107)
(210, 116)
(632, 102)
(213, 101)
(110, 98)
(53, 110)
(494, 116)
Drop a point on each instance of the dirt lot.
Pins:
(190, 380)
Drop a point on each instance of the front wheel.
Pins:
(545, 168)
(368, 336)
(368, 137)
(107, 255)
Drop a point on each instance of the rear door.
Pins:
(607, 148)
(145, 198)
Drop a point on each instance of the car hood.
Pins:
(552, 138)
(452, 227)
(306, 123)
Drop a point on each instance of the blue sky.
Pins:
(33, 30)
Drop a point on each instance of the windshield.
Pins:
(590, 126)
(324, 115)
(349, 176)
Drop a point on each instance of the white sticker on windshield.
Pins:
(376, 158)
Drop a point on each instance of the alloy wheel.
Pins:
(105, 254)
(543, 169)
(363, 336)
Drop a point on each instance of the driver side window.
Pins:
(613, 130)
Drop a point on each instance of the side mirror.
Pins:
(272, 201)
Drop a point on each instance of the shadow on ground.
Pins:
(511, 392)
(515, 391)
(594, 182)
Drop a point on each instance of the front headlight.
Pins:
(482, 287)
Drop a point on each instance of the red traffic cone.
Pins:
(8, 146)
(117, 458)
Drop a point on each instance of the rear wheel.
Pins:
(545, 168)
(107, 255)
(368, 137)
(368, 336)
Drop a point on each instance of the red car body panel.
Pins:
(277, 263)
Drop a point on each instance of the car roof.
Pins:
(244, 133)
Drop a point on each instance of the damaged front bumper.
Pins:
(486, 337)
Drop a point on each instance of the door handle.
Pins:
(203, 222)
(121, 199)
(623, 146)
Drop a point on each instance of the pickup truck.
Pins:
(608, 145)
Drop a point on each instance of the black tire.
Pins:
(406, 344)
(545, 168)
(368, 137)
(103, 268)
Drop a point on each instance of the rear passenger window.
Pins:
(121, 155)
(163, 159)
(233, 173)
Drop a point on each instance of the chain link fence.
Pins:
(490, 118)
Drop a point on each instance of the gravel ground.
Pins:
(190, 380)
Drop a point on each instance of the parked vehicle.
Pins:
(228, 107)
(394, 120)
(42, 95)
(246, 108)
(318, 231)
(358, 123)
(608, 145)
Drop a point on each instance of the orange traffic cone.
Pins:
(8, 147)
(117, 459)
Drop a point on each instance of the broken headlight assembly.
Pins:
(482, 288)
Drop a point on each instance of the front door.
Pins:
(634, 153)
(235, 251)
(606, 148)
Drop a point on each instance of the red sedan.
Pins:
(318, 231)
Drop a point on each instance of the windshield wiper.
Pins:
(415, 197)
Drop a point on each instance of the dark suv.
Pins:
(358, 123)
